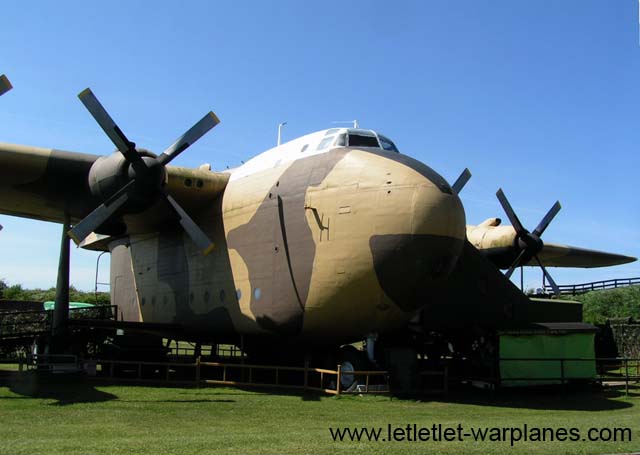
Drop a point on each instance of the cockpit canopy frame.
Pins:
(357, 138)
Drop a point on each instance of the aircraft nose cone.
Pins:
(422, 253)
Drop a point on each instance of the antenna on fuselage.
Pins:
(354, 122)
(280, 131)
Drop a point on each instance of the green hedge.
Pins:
(599, 306)
(17, 292)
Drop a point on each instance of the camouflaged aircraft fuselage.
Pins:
(327, 247)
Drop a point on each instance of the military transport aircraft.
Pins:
(320, 241)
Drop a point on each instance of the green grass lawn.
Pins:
(55, 415)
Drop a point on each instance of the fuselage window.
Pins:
(387, 144)
(326, 142)
(356, 140)
(304, 147)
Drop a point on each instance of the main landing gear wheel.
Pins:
(351, 359)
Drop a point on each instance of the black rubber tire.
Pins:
(351, 359)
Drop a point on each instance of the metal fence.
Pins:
(19, 324)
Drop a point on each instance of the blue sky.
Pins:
(540, 98)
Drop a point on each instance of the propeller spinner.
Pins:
(142, 184)
(528, 243)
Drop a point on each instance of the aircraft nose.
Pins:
(428, 239)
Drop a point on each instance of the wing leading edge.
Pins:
(556, 255)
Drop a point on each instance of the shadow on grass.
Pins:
(582, 398)
(65, 389)
(68, 389)
(201, 400)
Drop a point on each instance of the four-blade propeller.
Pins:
(529, 244)
(145, 177)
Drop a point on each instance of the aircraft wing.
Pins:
(556, 255)
(498, 243)
(42, 183)
(45, 184)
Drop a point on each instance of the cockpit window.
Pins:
(326, 142)
(387, 144)
(357, 140)
(342, 140)
(332, 131)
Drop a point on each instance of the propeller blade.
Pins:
(554, 286)
(187, 139)
(100, 114)
(514, 264)
(101, 214)
(515, 222)
(461, 181)
(544, 223)
(191, 228)
(5, 85)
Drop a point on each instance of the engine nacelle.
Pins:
(111, 173)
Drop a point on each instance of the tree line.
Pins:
(17, 293)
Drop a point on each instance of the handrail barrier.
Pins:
(581, 288)
(201, 373)
(55, 363)
(178, 349)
